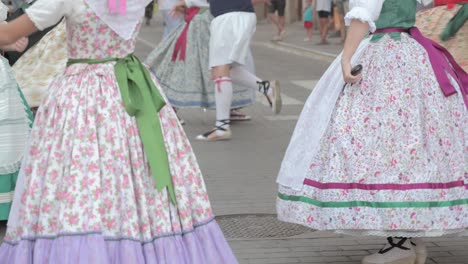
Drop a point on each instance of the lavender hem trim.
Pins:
(204, 244)
(114, 238)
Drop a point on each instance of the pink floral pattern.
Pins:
(86, 170)
(396, 127)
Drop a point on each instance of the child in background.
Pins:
(308, 19)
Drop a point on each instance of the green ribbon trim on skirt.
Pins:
(294, 198)
(142, 100)
(455, 23)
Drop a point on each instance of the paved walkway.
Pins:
(294, 41)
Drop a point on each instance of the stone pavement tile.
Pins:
(448, 248)
(345, 253)
(457, 241)
(450, 260)
(362, 247)
(332, 259)
(273, 261)
(295, 40)
(459, 252)
(332, 248)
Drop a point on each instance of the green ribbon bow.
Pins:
(142, 100)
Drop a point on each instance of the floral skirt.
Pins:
(37, 68)
(433, 21)
(188, 83)
(394, 158)
(86, 194)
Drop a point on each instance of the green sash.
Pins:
(142, 100)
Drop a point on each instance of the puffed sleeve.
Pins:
(46, 13)
(198, 3)
(364, 10)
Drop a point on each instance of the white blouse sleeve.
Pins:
(364, 10)
(198, 3)
(46, 13)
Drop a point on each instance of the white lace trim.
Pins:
(123, 25)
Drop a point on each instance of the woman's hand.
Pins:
(347, 76)
(178, 9)
(19, 46)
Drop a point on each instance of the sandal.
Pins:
(274, 99)
(218, 133)
(237, 115)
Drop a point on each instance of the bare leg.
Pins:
(309, 34)
(282, 24)
(275, 19)
(323, 29)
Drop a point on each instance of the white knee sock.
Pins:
(241, 76)
(223, 96)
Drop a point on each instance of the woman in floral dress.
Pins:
(109, 176)
(446, 24)
(387, 155)
(15, 124)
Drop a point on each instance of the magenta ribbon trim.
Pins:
(181, 43)
(441, 60)
(385, 186)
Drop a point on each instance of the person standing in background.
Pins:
(308, 19)
(276, 15)
(323, 8)
(170, 22)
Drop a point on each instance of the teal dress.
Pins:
(15, 123)
(308, 15)
(392, 159)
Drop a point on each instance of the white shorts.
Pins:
(230, 38)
